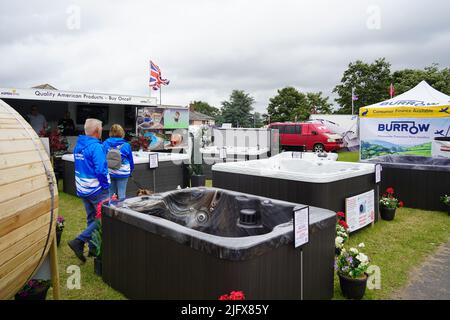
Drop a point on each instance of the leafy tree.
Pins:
(317, 103)
(407, 79)
(238, 110)
(288, 105)
(205, 108)
(258, 120)
(370, 81)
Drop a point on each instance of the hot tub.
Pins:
(170, 174)
(324, 184)
(200, 243)
(418, 181)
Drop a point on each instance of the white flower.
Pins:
(362, 258)
(361, 245)
(178, 187)
(354, 250)
(338, 241)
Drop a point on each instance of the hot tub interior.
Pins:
(215, 211)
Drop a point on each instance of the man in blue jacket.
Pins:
(92, 181)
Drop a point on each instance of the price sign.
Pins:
(222, 153)
(153, 160)
(378, 169)
(301, 226)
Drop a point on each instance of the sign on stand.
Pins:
(360, 210)
(153, 160)
(378, 169)
(301, 226)
(223, 153)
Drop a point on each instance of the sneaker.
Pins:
(92, 253)
(77, 247)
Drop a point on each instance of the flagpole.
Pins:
(353, 103)
(160, 89)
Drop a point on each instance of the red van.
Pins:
(307, 136)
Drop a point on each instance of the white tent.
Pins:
(416, 122)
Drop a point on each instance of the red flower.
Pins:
(401, 204)
(390, 190)
(340, 214)
(237, 295)
(343, 223)
(224, 297)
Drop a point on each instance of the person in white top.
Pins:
(37, 120)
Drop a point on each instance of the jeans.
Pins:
(119, 187)
(90, 204)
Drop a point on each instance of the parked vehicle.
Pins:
(307, 136)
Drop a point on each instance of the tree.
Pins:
(238, 110)
(258, 120)
(370, 81)
(205, 108)
(407, 79)
(317, 103)
(288, 105)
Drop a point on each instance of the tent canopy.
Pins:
(421, 95)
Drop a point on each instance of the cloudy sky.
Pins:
(209, 47)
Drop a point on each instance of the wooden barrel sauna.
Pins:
(28, 202)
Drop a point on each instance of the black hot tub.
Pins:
(418, 181)
(200, 243)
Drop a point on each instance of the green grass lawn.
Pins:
(348, 156)
(395, 246)
(398, 246)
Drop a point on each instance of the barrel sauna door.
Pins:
(28, 202)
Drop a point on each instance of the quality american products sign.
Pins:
(412, 133)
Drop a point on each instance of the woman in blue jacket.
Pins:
(119, 177)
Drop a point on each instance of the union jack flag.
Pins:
(155, 77)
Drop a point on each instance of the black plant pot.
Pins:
(38, 295)
(387, 213)
(58, 236)
(198, 180)
(353, 288)
(98, 266)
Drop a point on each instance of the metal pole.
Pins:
(353, 104)
(160, 89)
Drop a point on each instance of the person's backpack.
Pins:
(114, 158)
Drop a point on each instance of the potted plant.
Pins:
(446, 201)
(341, 232)
(96, 240)
(234, 295)
(35, 289)
(351, 267)
(59, 229)
(388, 205)
(198, 179)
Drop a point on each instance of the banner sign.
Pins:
(162, 118)
(360, 210)
(72, 96)
(301, 226)
(422, 136)
(416, 109)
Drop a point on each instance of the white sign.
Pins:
(301, 226)
(153, 160)
(360, 210)
(222, 153)
(73, 96)
(378, 169)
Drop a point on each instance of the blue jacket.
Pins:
(127, 166)
(91, 168)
